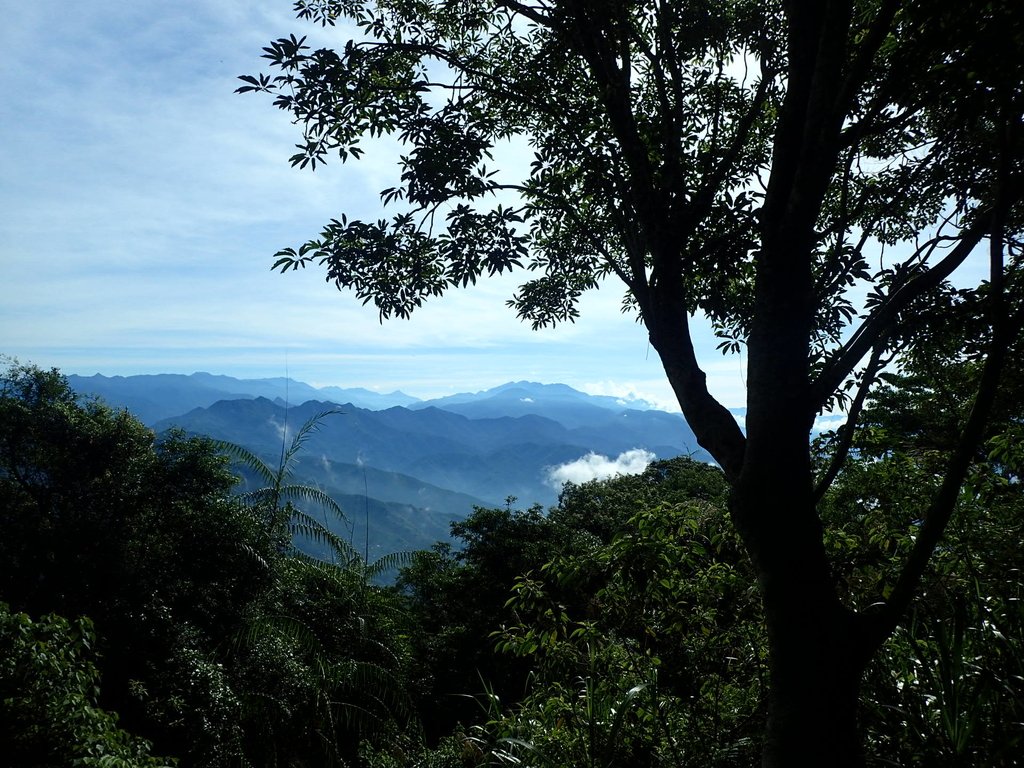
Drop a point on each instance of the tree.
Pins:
(749, 160)
(102, 519)
(457, 599)
(274, 502)
(664, 606)
(215, 638)
(948, 685)
(343, 680)
(602, 507)
(459, 596)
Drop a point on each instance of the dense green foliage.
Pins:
(140, 535)
(213, 638)
(48, 690)
(948, 688)
(619, 628)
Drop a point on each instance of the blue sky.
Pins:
(142, 201)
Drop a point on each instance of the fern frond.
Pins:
(291, 629)
(251, 552)
(259, 702)
(377, 683)
(388, 562)
(259, 496)
(308, 429)
(250, 461)
(311, 494)
(317, 534)
(304, 524)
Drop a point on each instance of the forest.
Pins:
(153, 615)
(835, 186)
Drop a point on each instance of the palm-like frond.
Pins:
(388, 562)
(377, 688)
(250, 461)
(350, 696)
(295, 631)
(251, 552)
(280, 495)
(310, 427)
(298, 493)
(304, 524)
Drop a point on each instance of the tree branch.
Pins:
(884, 620)
(882, 319)
(526, 11)
(705, 196)
(713, 425)
(846, 431)
(614, 89)
(870, 42)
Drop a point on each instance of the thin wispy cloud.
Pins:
(144, 200)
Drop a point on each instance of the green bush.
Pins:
(49, 687)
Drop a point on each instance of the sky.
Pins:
(142, 202)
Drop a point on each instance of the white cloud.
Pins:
(594, 466)
(325, 463)
(823, 423)
(282, 429)
(740, 414)
(829, 421)
(651, 393)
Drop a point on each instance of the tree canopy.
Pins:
(208, 637)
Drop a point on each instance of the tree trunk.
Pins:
(816, 648)
(814, 683)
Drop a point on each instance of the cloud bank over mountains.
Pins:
(594, 466)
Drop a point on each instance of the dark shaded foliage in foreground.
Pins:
(619, 628)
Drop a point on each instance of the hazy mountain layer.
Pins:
(163, 395)
(413, 468)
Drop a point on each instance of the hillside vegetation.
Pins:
(150, 616)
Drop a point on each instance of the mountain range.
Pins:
(163, 395)
(402, 467)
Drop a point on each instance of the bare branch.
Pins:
(846, 431)
(882, 319)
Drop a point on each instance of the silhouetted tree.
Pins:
(751, 160)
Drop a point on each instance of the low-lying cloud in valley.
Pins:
(594, 466)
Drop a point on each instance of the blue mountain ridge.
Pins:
(413, 468)
(160, 396)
